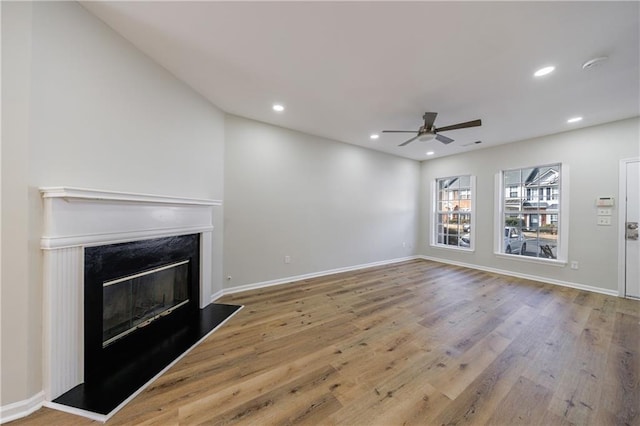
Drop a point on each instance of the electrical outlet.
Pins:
(604, 211)
(574, 265)
(604, 220)
(287, 259)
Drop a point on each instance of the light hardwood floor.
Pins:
(417, 342)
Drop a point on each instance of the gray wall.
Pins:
(20, 311)
(324, 203)
(592, 154)
(82, 107)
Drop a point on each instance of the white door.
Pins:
(632, 219)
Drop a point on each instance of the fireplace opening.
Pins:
(136, 301)
(137, 295)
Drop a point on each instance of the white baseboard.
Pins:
(217, 295)
(22, 408)
(286, 280)
(525, 276)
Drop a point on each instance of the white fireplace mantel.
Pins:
(75, 218)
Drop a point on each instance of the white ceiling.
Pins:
(345, 70)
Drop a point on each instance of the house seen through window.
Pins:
(531, 211)
(454, 212)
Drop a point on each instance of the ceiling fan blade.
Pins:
(445, 140)
(473, 123)
(398, 131)
(409, 141)
(429, 118)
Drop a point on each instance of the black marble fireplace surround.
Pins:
(116, 370)
(110, 262)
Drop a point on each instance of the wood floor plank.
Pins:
(250, 390)
(577, 395)
(522, 405)
(303, 397)
(477, 403)
(413, 343)
(620, 396)
(386, 400)
(551, 361)
(456, 376)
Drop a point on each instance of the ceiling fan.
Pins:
(428, 131)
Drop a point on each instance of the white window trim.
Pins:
(563, 228)
(434, 220)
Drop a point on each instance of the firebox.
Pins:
(133, 302)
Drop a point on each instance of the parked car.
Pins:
(514, 241)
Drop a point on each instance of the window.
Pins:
(453, 212)
(529, 224)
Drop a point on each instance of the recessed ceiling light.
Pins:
(374, 136)
(278, 107)
(574, 120)
(544, 71)
(430, 153)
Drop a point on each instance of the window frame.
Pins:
(562, 196)
(433, 240)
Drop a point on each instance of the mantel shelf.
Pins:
(72, 193)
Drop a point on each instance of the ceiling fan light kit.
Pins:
(427, 137)
(429, 132)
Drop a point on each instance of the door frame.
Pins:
(622, 210)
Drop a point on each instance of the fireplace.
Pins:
(123, 273)
(134, 293)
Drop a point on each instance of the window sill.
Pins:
(453, 248)
(538, 260)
